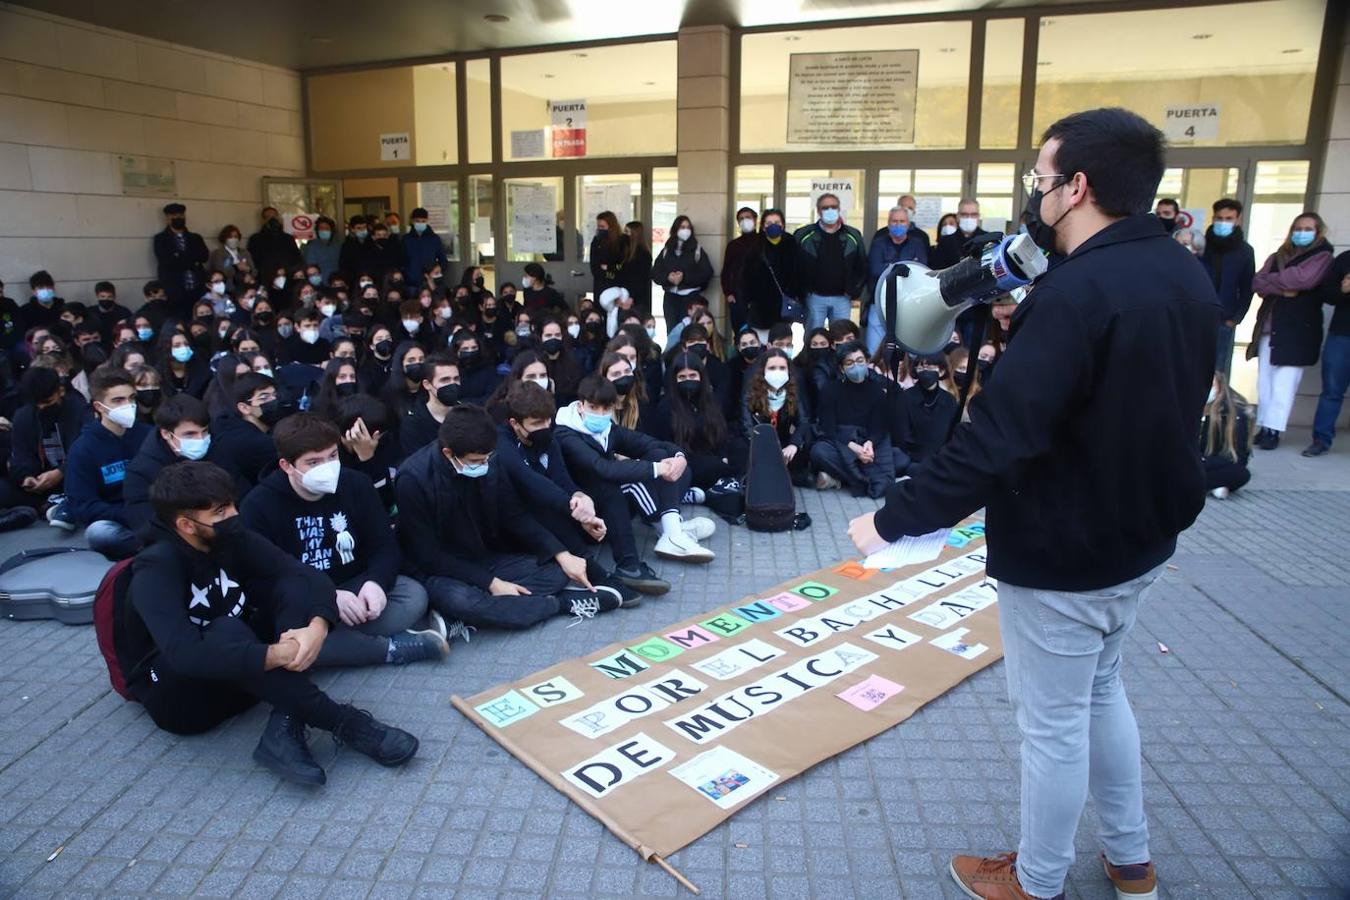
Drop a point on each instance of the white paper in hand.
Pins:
(909, 550)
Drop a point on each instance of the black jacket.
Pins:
(538, 474)
(346, 535)
(174, 265)
(1231, 265)
(693, 262)
(809, 238)
(417, 429)
(766, 273)
(25, 456)
(593, 464)
(153, 456)
(951, 248)
(448, 523)
(1084, 450)
(271, 248)
(1330, 292)
(927, 419)
(252, 451)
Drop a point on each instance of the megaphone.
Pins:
(921, 304)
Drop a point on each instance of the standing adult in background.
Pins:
(747, 220)
(1335, 356)
(181, 256)
(393, 223)
(897, 242)
(324, 250)
(608, 248)
(833, 263)
(1231, 265)
(771, 269)
(1288, 327)
(230, 259)
(1166, 211)
(272, 248)
(422, 249)
(948, 252)
(681, 269)
(636, 271)
(916, 232)
(355, 258)
(1095, 407)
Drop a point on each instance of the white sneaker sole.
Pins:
(706, 556)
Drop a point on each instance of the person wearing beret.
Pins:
(181, 256)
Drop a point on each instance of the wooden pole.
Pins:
(674, 873)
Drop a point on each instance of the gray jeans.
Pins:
(1079, 735)
(368, 643)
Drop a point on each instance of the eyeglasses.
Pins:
(1030, 178)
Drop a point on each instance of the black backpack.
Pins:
(770, 502)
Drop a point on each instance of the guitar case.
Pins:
(52, 583)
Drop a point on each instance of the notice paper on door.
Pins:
(909, 550)
(724, 776)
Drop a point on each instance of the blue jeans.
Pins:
(876, 329)
(821, 308)
(1079, 735)
(113, 539)
(1223, 361)
(1335, 380)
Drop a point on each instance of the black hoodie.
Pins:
(251, 449)
(346, 535)
(153, 456)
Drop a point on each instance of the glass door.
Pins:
(481, 249)
(441, 201)
(534, 229)
(302, 200)
(620, 194)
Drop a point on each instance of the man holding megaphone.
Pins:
(1085, 454)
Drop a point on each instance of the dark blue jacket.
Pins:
(1231, 265)
(421, 253)
(95, 470)
(540, 478)
(884, 251)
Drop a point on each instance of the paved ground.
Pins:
(1246, 732)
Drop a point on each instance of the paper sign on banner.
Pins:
(955, 642)
(615, 766)
(395, 146)
(724, 776)
(506, 709)
(1191, 122)
(870, 693)
(554, 692)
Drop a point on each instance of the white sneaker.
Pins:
(458, 629)
(1219, 493)
(700, 528)
(826, 482)
(682, 546)
(436, 623)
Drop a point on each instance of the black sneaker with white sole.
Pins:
(642, 578)
(416, 646)
(629, 596)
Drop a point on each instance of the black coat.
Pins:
(174, 265)
(252, 451)
(693, 262)
(272, 248)
(1084, 451)
(1295, 322)
(950, 248)
(766, 268)
(25, 457)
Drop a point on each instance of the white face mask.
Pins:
(776, 378)
(322, 479)
(124, 416)
(411, 325)
(327, 309)
(969, 223)
(218, 288)
(747, 225)
(574, 330)
(279, 282)
(684, 234)
(309, 335)
(542, 381)
(445, 313)
(948, 230)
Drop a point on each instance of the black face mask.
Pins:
(49, 414)
(699, 350)
(271, 412)
(1042, 233)
(148, 396)
(750, 354)
(468, 358)
(1169, 225)
(384, 348)
(106, 304)
(263, 318)
(413, 371)
(950, 346)
(447, 394)
(553, 346)
(93, 354)
(690, 389)
(596, 327)
(478, 282)
(227, 534)
(489, 313)
(347, 389)
(986, 366)
(624, 385)
(927, 379)
(541, 439)
(961, 379)
(178, 222)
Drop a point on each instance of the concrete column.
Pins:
(703, 101)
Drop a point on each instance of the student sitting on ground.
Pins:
(440, 390)
(528, 451)
(97, 467)
(243, 433)
(370, 444)
(526, 366)
(611, 462)
(332, 520)
(182, 431)
(690, 417)
(477, 549)
(1225, 439)
(43, 430)
(853, 444)
(772, 397)
(220, 619)
(929, 408)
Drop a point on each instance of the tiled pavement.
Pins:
(1246, 737)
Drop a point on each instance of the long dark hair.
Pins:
(673, 242)
(683, 420)
(613, 237)
(757, 389)
(637, 239)
(326, 400)
(519, 363)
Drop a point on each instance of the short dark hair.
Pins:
(185, 486)
(527, 400)
(779, 330)
(845, 350)
(248, 384)
(693, 332)
(842, 329)
(597, 391)
(370, 410)
(105, 287)
(302, 433)
(308, 314)
(1168, 201)
(105, 378)
(39, 384)
(467, 429)
(1119, 152)
(181, 408)
(438, 360)
(1228, 203)
(41, 278)
(152, 286)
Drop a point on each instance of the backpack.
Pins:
(770, 501)
(110, 621)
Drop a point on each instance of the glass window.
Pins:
(1254, 71)
(629, 96)
(533, 218)
(478, 78)
(994, 186)
(348, 112)
(934, 116)
(482, 244)
(665, 203)
(754, 188)
(1000, 95)
(441, 201)
(935, 191)
(436, 137)
(1195, 190)
(619, 194)
(805, 185)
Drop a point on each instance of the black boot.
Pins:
(387, 745)
(283, 749)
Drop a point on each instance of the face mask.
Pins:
(247, 303)
(473, 470)
(684, 234)
(413, 371)
(181, 354)
(699, 350)
(1302, 237)
(384, 348)
(193, 448)
(218, 288)
(948, 230)
(544, 382)
(747, 225)
(285, 331)
(968, 223)
(148, 396)
(1213, 395)
(45, 295)
(898, 231)
(419, 227)
(411, 325)
(596, 423)
(553, 346)
(316, 280)
(325, 234)
(927, 379)
(856, 373)
(124, 416)
(265, 371)
(624, 384)
(961, 379)
(776, 378)
(1223, 229)
(468, 358)
(651, 332)
(829, 216)
(309, 335)
(226, 533)
(773, 230)
(1169, 225)
(986, 366)
(279, 282)
(327, 310)
(360, 235)
(1042, 232)
(750, 354)
(777, 401)
(178, 222)
(690, 389)
(541, 438)
(322, 479)
(444, 313)
(271, 412)
(393, 229)
(347, 389)
(478, 282)
(574, 330)
(145, 334)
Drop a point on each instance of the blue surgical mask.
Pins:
(145, 334)
(316, 280)
(1223, 229)
(773, 230)
(45, 295)
(194, 448)
(829, 216)
(473, 470)
(898, 231)
(325, 234)
(181, 354)
(1302, 237)
(856, 373)
(596, 423)
(419, 227)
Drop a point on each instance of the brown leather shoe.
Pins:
(1135, 882)
(993, 878)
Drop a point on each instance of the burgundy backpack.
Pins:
(110, 621)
